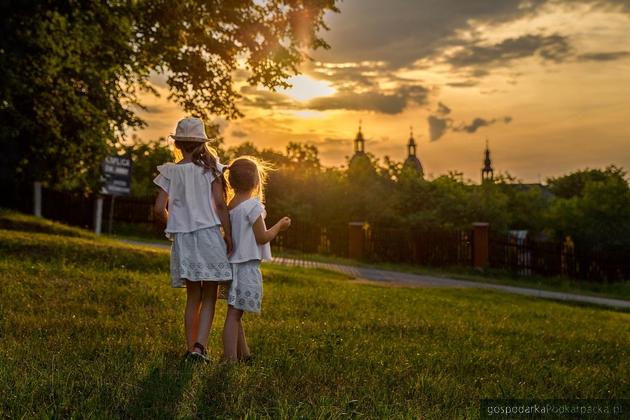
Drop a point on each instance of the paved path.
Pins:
(431, 281)
(396, 277)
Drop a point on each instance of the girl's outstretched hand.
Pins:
(285, 222)
(229, 244)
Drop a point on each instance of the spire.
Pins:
(411, 145)
(359, 142)
(487, 172)
(412, 161)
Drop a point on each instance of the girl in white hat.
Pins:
(192, 203)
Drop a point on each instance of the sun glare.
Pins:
(305, 88)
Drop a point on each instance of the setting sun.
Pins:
(305, 88)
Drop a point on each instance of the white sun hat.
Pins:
(190, 129)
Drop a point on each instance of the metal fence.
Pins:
(551, 258)
(77, 209)
(315, 239)
(523, 256)
(423, 247)
(426, 247)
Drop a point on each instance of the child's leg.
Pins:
(230, 333)
(191, 314)
(241, 347)
(206, 315)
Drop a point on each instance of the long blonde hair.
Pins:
(202, 155)
(246, 173)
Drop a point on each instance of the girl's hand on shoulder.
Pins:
(285, 222)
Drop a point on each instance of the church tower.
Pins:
(412, 160)
(487, 173)
(360, 161)
(359, 142)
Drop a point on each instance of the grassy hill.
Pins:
(90, 327)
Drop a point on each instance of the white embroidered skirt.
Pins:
(199, 256)
(246, 290)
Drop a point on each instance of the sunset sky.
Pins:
(546, 82)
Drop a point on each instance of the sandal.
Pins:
(199, 351)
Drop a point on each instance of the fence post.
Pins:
(356, 240)
(480, 244)
(37, 199)
(98, 214)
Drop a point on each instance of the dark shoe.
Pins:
(199, 353)
(248, 360)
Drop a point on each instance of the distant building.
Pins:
(412, 161)
(360, 158)
(487, 175)
(487, 172)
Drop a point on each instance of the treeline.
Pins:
(592, 206)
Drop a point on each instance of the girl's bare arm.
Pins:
(160, 207)
(264, 235)
(222, 212)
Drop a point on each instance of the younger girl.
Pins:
(246, 177)
(194, 190)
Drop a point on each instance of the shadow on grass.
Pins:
(214, 391)
(160, 391)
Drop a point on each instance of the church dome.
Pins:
(412, 161)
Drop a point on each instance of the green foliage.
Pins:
(146, 156)
(599, 216)
(574, 184)
(387, 194)
(73, 71)
(93, 333)
(304, 155)
(595, 214)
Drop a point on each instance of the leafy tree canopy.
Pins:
(574, 184)
(72, 71)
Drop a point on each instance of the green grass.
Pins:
(91, 328)
(616, 290)
(143, 233)
(13, 220)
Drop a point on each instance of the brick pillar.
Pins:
(480, 244)
(356, 240)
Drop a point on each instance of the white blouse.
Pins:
(190, 203)
(243, 217)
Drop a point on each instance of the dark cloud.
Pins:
(358, 75)
(239, 133)
(387, 103)
(399, 32)
(266, 99)
(464, 84)
(604, 56)
(477, 123)
(438, 126)
(440, 123)
(443, 109)
(402, 31)
(373, 101)
(548, 47)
